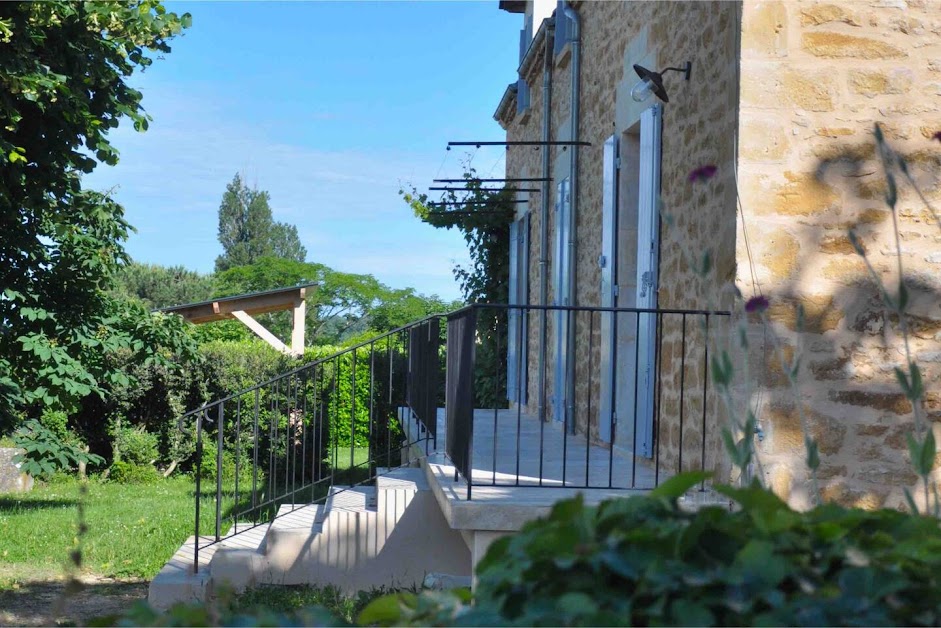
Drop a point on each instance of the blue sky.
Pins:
(330, 106)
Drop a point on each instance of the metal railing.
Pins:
(625, 403)
(337, 421)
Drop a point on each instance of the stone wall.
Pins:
(698, 129)
(815, 77)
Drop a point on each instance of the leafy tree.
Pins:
(162, 286)
(63, 72)
(343, 304)
(285, 243)
(247, 231)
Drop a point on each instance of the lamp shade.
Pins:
(654, 81)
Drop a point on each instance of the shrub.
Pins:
(207, 465)
(133, 473)
(45, 453)
(137, 446)
(646, 561)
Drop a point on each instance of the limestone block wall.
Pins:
(699, 126)
(815, 77)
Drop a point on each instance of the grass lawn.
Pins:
(132, 529)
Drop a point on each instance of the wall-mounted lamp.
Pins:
(652, 82)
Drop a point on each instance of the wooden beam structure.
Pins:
(243, 306)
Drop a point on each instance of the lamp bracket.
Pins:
(685, 70)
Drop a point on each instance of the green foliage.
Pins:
(133, 473)
(45, 453)
(278, 605)
(163, 286)
(209, 461)
(63, 71)
(141, 614)
(137, 446)
(484, 219)
(247, 231)
(646, 561)
(343, 304)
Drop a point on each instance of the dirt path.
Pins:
(42, 603)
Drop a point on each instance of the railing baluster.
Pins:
(290, 448)
(519, 390)
(496, 394)
(334, 427)
(272, 437)
(591, 350)
(682, 393)
(658, 436)
(613, 419)
(372, 373)
(304, 393)
(637, 368)
(352, 416)
(199, 472)
(569, 401)
(238, 458)
(705, 396)
(255, 461)
(220, 443)
(391, 408)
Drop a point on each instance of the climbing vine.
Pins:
(483, 216)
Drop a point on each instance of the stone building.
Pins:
(748, 175)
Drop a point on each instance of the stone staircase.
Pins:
(389, 534)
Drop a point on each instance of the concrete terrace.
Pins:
(506, 470)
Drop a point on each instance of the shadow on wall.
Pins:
(850, 345)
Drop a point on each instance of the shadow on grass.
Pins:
(10, 505)
(44, 603)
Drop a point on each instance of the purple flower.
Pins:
(703, 173)
(757, 304)
(937, 136)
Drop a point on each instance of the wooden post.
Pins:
(297, 329)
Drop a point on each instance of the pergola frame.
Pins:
(242, 307)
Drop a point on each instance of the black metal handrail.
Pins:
(292, 431)
(294, 426)
(548, 449)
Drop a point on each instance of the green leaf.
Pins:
(677, 486)
(383, 611)
(918, 386)
(691, 613)
(576, 604)
(922, 452)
